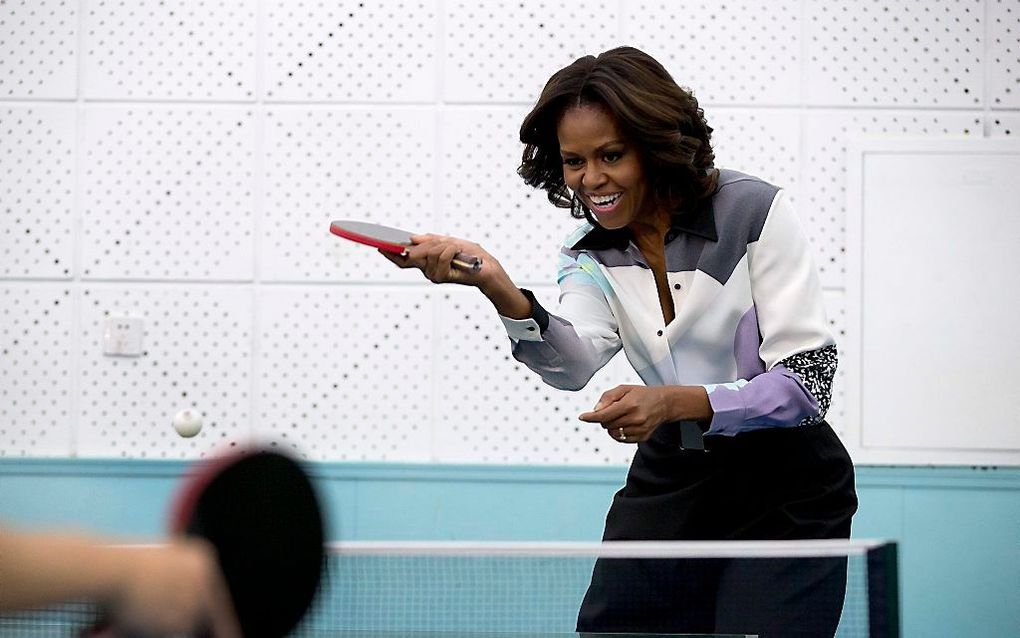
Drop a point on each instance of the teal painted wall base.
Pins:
(958, 528)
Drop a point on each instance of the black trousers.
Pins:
(781, 483)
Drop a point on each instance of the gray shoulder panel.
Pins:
(740, 207)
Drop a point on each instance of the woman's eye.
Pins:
(613, 156)
(572, 161)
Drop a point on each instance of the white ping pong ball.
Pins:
(188, 423)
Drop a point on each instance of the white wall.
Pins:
(181, 161)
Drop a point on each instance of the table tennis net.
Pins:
(536, 589)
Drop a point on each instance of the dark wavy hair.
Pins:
(660, 118)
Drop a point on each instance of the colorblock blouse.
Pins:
(749, 325)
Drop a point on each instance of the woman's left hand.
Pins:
(630, 413)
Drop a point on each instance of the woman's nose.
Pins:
(592, 178)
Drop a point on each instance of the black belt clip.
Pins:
(692, 437)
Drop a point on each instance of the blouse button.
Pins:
(676, 286)
(659, 333)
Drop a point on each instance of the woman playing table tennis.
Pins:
(704, 278)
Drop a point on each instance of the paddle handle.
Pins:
(467, 263)
(460, 261)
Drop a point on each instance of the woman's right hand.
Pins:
(171, 589)
(433, 255)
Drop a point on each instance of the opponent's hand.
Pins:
(433, 255)
(630, 413)
(172, 589)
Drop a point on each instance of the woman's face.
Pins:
(601, 167)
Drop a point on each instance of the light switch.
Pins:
(122, 336)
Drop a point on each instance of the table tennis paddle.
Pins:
(392, 240)
(259, 510)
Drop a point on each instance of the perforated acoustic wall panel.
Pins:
(197, 356)
(505, 51)
(323, 164)
(351, 51)
(765, 143)
(36, 369)
(167, 193)
(158, 50)
(1004, 52)
(180, 162)
(348, 373)
(895, 53)
(729, 53)
(38, 49)
(1004, 125)
(37, 159)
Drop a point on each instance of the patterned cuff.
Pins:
(816, 369)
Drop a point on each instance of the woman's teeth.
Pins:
(604, 202)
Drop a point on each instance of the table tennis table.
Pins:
(57, 631)
(486, 634)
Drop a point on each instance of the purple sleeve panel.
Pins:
(562, 357)
(774, 399)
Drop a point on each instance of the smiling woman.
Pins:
(602, 169)
(647, 108)
(704, 278)
(605, 173)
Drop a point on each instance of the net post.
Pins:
(883, 591)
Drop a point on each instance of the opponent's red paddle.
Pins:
(391, 240)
